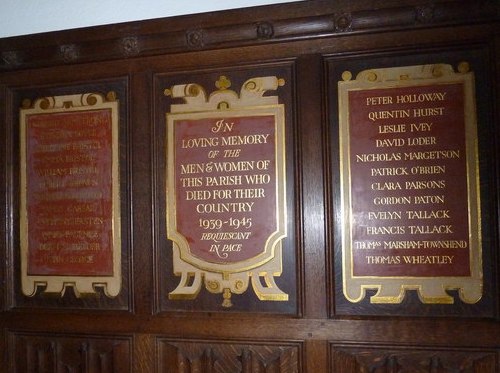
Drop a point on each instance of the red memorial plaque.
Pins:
(226, 186)
(409, 193)
(70, 214)
(410, 185)
(226, 210)
(69, 193)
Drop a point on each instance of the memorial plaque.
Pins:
(226, 209)
(70, 214)
(410, 184)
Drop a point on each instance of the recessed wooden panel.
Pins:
(166, 281)
(176, 356)
(358, 359)
(309, 45)
(64, 295)
(58, 353)
(413, 304)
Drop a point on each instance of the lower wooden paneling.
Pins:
(36, 353)
(204, 356)
(361, 359)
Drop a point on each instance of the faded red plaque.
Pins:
(225, 186)
(69, 193)
(408, 178)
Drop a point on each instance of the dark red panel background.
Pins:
(263, 212)
(69, 205)
(449, 132)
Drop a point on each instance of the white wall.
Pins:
(20, 17)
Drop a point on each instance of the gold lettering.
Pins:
(379, 100)
(395, 229)
(420, 97)
(378, 157)
(428, 112)
(383, 259)
(389, 114)
(430, 229)
(421, 184)
(428, 259)
(424, 214)
(384, 215)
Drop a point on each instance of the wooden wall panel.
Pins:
(309, 44)
(359, 359)
(30, 353)
(235, 29)
(175, 356)
(16, 96)
(288, 281)
(480, 59)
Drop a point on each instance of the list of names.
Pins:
(69, 193)
(408, 178)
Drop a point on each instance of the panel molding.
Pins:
(289, 280)
(183, 356)
(75, 353)
(309, 20)
(417, 360)
(15, 298)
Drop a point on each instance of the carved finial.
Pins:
(346, 76)
(223, 83)
(111, 96)
(44, 103)
(371, 76)
(227, 298)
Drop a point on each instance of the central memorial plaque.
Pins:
(226, 176)
(410, 184)
(226, 210)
